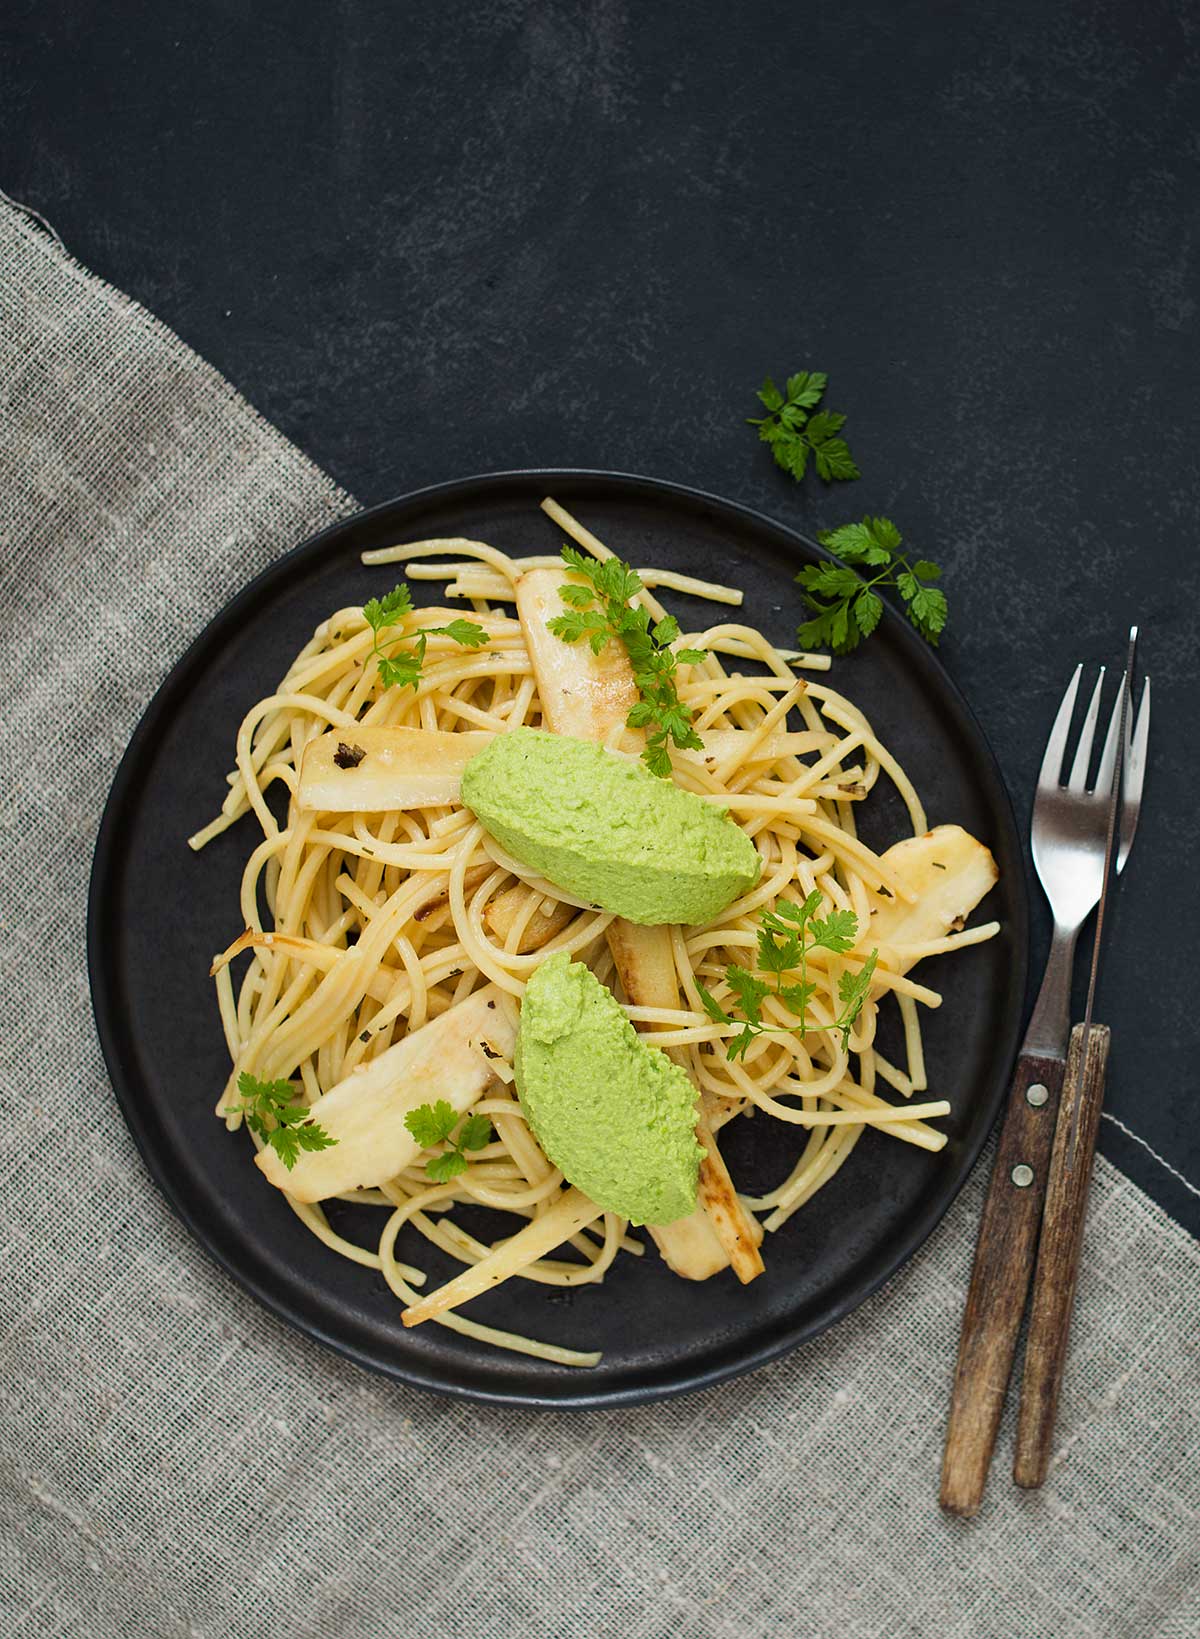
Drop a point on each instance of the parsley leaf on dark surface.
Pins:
(269, 1109)
(796, 431)
(600, 610)
(846, 608)
(401, 666)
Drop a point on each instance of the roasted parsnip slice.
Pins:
(738, 1231)
(398, 768)
(572, 1212)
(646, 964)
(949, 872)
(720, 1232)
(689, 1247)
(448, 1058)
(583, 694)
(550, 917)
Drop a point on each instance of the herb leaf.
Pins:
(712, 1006)
(787, 935)
(283, 1142)
(387, 610)
(401, 667)
(797, 997)
(270, 1110)
(441, 1168)
(469, 633)
(577, 623)
(432, 1124)
(846, 608)
(867, 611)
(750, 992)
(793, 434)
(600, 610)
(806, 387)
(836, 932)
(477, 1131)
(853, 989)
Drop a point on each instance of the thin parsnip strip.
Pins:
(572, 1212)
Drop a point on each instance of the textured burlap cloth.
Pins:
(175, 1462)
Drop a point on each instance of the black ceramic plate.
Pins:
(158, 913)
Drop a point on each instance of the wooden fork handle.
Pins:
(1004, 1259)
(1058, 1253)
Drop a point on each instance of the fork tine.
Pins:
(1083, 752)
(1134, 777)
(1056, 745)
(1108, 757)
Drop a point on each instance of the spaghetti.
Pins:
(360, 928)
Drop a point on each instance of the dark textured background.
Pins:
(431, 240)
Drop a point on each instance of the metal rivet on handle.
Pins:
(1022, 1176)
(1037, 1095)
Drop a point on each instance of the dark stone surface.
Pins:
(427, 241)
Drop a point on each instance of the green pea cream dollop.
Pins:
(614, 1113)
(606, 830)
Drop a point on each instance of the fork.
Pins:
(1069, 835)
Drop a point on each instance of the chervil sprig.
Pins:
(846, 607)
(601, 610)
(797, 431)
(402, 666)
(432, 1124)
(787, 936)
(270, 1110)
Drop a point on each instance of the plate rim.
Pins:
(105, 872)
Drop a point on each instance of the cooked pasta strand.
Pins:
(358, 927)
